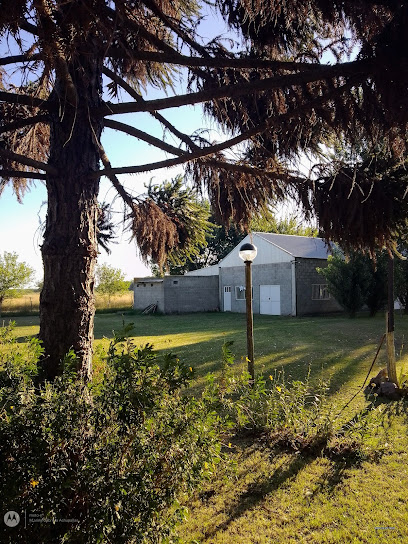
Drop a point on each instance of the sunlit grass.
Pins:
(266, 498)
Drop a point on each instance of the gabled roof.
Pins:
(298, 246)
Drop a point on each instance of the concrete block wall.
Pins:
(146, 293)
(264, 274)
(183, 294)
(306, 276)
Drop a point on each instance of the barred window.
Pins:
(320, 292)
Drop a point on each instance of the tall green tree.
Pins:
(110, 281)
(272, 91)
(186, 210)
(355, 280)
(13, 275)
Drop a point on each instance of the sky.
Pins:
(20, 223)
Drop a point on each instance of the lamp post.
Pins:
(247, 253)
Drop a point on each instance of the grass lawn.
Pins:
(264, 497)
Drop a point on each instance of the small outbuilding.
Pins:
(177, 294)
(284, 278)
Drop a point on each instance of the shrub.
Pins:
(103, 462)
(271, 404)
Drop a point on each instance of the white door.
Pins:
(227, 298)
(269, 297)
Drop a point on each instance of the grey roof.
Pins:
(298, 246)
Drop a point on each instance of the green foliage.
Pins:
(105, 228)
(111, 281)
(294, 415)
(287, 225)
(272, 404)
(357, 280)
(190, 215)
(112, 457)
(13, 275)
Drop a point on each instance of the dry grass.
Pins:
(28, 302)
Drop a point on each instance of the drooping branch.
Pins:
(233, 91)
(141, 135)
(127, 198)
(22, 159)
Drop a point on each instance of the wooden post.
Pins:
(250, 320)
(391, 367)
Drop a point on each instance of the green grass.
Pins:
(271, 498)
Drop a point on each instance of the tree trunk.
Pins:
(69, 250)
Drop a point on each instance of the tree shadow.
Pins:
(258, 490)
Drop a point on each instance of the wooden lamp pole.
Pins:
(247, 253)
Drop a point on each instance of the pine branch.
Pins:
(25, 57)
(19, 174)
(54, 50)
(117, 79)
(132, 131)
(219, 62)
(21, 123)
(133, 26)
(22, 159)
(246, 135)
(348, 69)
(29, 27)
(177, 30)
(26, 100)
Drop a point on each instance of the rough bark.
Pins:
(69, 250)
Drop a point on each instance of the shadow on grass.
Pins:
(258, 490)
(24, 339)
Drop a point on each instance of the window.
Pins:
(240, 292)
(175, 282)
(320, 292)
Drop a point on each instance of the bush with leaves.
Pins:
(102, 462)
(292, 415)
(271, 403)
(356, 281)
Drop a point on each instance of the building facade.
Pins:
(284, 277)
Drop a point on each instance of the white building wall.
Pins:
(208, 271)
(267, 253)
